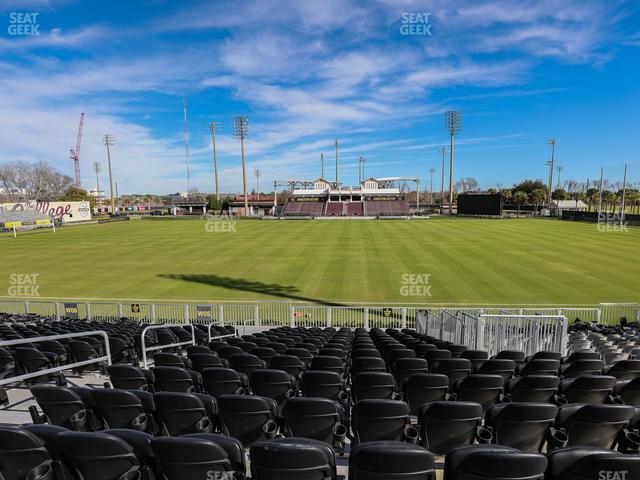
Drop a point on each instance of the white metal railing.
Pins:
(272, 313)
(61, 368)
(146, 349)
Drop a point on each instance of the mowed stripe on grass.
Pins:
(467, 260)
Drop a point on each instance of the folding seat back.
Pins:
(316, 383)
(367, 364)
(200, 361)
(7, 363)
(540, 366)
(394, 355)
(365, 352)
(199, 455)
(183, 413)
(481, 388)
(341, 353)
(587, 388)
(245, 363)
(454, 368)
(391, 460)
(302, 353)
(133, 409)
(545, 354)
(227, 351)
(288, 363)
(317, 418)
(493, 462)
(406, 367)
(191, 349)
(373, 385)
(476, 357)
(63, 407)
(446, 425)
(106, 453)
(310, 347)
(31, 359)
(434, 357)
(524, 426)
(23, 456)
(275, 384)
(57, 348)
(128, 377)
(499, 366)
(533, 388)
(581, 355)
(625, 369)
(82, 350)
(580, 463)
(329, 364)
(164, 359)
(629, 391)
(174, 379)
(247, 418)
(593, 425)
(265, 354)
(223, 381)
(292, 459)
(424, 388)
(516, 355)
(582, 367)
(374, 420)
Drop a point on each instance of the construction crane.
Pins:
(75, 154)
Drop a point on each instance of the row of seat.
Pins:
(44, 452)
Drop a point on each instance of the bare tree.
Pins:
(23, 181)
(469, 184)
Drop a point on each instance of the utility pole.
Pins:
(624, 194)
(442, 151)
(551, 163)
(322, 165)
(336, 163)
(213, 128)
(108, 141)
(600, 193)
(431, 172)
(453, 123)
(97, 169)
(240, 130)
(117, 197)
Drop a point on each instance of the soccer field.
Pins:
(464, 261)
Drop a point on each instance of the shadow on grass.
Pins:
(272, 289)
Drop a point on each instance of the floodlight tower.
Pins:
(97, 168)
(431, 172)
(551, 163)
(215, 127)
(257, 174)
(453, 123)
(442, 151)
(240, 131)
(560, 169)
(361, 161)
(109, 140)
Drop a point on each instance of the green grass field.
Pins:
(469, 261)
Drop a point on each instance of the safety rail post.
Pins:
(152, 312)
(220, 314)
(57, 311)
(88, 307)
(404, 317)
(186, 313)
(292, 316)
(120, 310)
(256, 313)
(61, 368)
(26, 307)
(170, 345)
(366, 317)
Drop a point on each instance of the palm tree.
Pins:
(538, 196)
(520, 198)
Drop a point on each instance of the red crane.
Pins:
(75, 154)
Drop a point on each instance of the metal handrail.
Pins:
(160, 347)
(218, 336)
(61, 368)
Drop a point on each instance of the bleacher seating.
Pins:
(355, 209)
(388, 208)
(395, 397)
(303, 209)
(335, 209)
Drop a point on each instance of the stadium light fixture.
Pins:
(551, 164)
(215, 127)
(560, 169)
(431, 172)
(240, 131)
(257, 174)
(453, 123)
(443, 150)
(109, 140)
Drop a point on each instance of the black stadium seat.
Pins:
(425, 388)
(446, 425)
(317, 418)
(374, 420)
(133, 409)
(292, 459)
(65, 407)
(391, 460)
(524, 426)
(23, 455)
(580, 463)
(486, 462)
(129, 377)
(247, 418)
(183, 413)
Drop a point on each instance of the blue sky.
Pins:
(306, 73)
